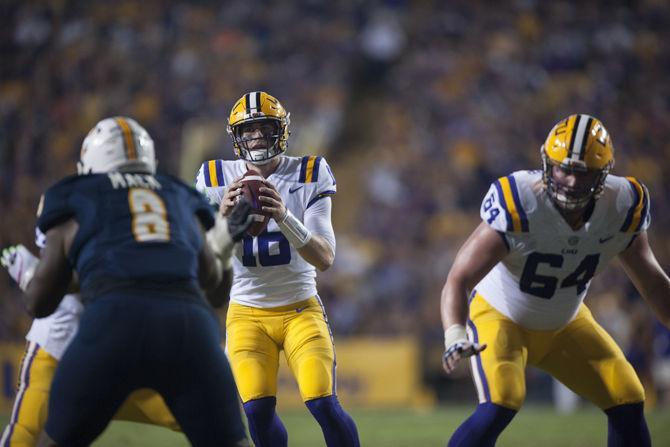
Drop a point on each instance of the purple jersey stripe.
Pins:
(645, 208)
(303, 170)
(517, 203)
(315, 171)
(219, 173)
(320, 196)
(205, 173)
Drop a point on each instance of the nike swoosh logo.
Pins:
(602, 240)
(292, 190)
(300, 309)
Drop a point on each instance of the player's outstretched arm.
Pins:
(650, 279)
(53, 273)
(479, 254)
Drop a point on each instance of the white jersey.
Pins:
(267, 270)
(55, 332)
(543, 280)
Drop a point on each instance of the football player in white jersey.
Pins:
(514, 295)
(274, 304)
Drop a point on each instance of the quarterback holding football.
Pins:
(274, 304)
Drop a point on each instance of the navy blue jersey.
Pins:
(136, 231)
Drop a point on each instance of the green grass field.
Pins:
(533, 426)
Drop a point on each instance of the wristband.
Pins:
(294, 230)
(455, 332)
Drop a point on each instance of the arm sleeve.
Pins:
(317, 220)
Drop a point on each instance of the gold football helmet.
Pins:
(262, 108)
(579, 145)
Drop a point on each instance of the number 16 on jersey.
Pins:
(267, 249)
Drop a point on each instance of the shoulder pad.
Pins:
(503, 199)
(638, 215)
(212, 174)
(310, 169)
(55, 208)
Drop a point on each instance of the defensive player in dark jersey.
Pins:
(138, 244)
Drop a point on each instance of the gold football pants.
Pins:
(254, 337)
(581, 355)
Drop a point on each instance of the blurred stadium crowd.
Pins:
(417, 106)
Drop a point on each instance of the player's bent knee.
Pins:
(315, 379)
(509, 386)
(253, 380)
(624, 387)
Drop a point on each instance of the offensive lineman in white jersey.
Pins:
(527, 268)
(274, 302)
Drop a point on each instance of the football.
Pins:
(251, 183)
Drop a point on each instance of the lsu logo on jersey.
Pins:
(503, 201)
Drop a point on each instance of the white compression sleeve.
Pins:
(317, 220)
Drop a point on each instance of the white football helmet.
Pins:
(117, 144)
